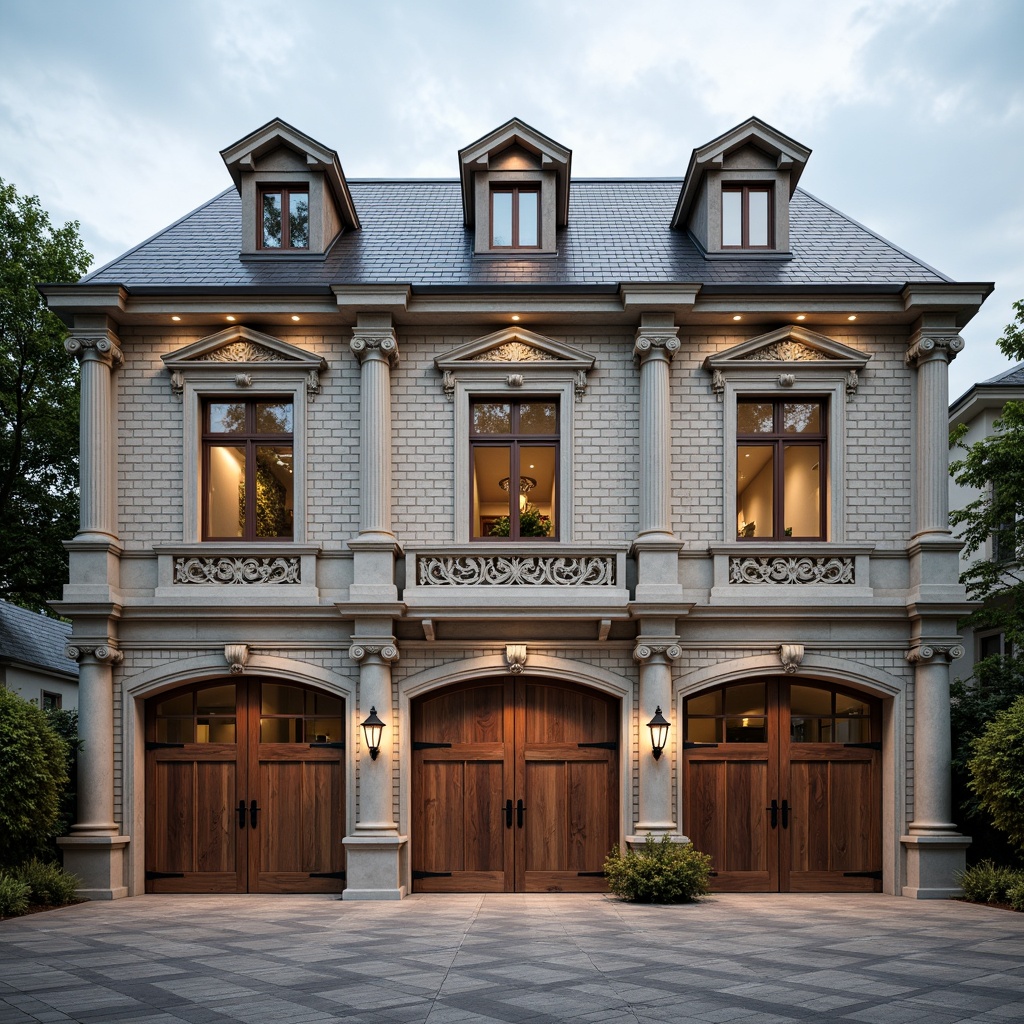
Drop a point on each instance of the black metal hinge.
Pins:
(151, 745)
(432, 874)
(327, 874)
(864, 746)
(607, 745)
(877, 875)
(153, 875)
(590, 874)
(420, 745)
(333, 746)
(693, 746)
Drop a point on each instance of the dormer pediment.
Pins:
(790, 344)
(515, 347)
(244, 348)
(515, 146)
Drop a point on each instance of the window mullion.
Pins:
(513, 486)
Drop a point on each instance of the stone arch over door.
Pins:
(876, 762)
(140, 687)
(493, 671)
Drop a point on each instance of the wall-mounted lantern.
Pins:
(373, 727)
(659, 732)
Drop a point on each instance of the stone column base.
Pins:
(932, 864)
(98, 861)
(372, 869)
(637, 842)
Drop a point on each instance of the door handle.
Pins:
(519, 813)
(508, 813)
(774, 809)
(241, 814)
(785, 813)
(253, 811)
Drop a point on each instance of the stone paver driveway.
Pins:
(539, 959)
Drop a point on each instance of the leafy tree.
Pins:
(38, 403)
(997, 771)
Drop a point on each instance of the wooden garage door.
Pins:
(245, 789)
(782, 784)
(515, 788)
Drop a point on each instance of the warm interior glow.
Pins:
(229, 318)
(801, 317)
(295, 318)
(851, 317)
(737, 317)
(515, 316)
(175, 318)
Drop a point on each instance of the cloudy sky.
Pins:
(113, 112)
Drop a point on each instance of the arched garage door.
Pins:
(782, 786)
(515, 787)
(245, 789)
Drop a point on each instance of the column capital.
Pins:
(374, 343)
(103, 653)
(373, 651)
(655, 342)
(934, 652)
(931, 344)
(97, 343)
(653, 651)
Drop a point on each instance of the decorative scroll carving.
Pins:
(241, 352)
(785, 352)
(646, 343)
(852, 380)
(647, 649)
(365, 342)
(243, 380)
(941, 344)
(177, 383)
(791, 655)
(718, 383)
(100, 341)
(236, 655)
(231, 571)
(313, 384)
(101, 652)
(515, 380)
(925, 652)
(514, 352)
(791, 570)
(516, 570)
(448, 384)
(787, 380)
(580, 384)
(515, 655)
(384, 651)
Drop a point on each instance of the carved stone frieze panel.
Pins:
(236, 571)
(241, 352)
(515, 570)
(786, 352)
(790, 570)
(514, 352)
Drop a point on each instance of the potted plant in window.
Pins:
(532, 523)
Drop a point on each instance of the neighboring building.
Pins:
(33, 662)
(979, 407)
(407, 506)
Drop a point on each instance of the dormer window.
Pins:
(285, 218)
(746, 217)
(515, 217)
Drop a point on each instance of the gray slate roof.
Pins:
(1008, 378)
(412, 232)
(33, 639)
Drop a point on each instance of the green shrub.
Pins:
(985, 882)
(1015, 895)
(33, 773)
(51, 885)
(659, 872)
(64, 722)
(13, 896)
(997, 771)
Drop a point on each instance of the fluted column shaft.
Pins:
(655, 781)
(654, 348)
(96, 732)
(377, 352)
(931, 353)
(97, 352)
(376, 806)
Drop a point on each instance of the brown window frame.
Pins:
(745, 191)
(286, 192)
(514, 191)
(777, 440)
(515, 440)
(56, 700)
(250, 439)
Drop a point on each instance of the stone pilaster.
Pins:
(94, 850)
(375, 346)
(935, 850)
(656, 814)
(373, 850)
(656, 547)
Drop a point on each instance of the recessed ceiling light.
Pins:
(737, 317)
(801, 316)
(851, 317)
(229, 318)
(295, 318)
(175, 318)
(515, 316)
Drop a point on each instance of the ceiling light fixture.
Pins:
(515, 316)
(229, 318)
(801, 316)
(851, 317)
(737, 317)
(175, 318)
(295, 318)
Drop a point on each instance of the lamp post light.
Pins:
(659, 732)
(373, 727)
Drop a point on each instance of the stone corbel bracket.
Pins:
(515, 655)
(791, 655)
(236, 655)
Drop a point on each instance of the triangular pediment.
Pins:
(515, 346)
(244, 347)
(791, 344)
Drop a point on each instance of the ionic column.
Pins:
(654, 347)
(377, 351)
(655, 658)
(930, 352)
(98, 354)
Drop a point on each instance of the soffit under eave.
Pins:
(276, 350)
(554, 156)
(788, 154)
(474, 353)
(783, 346)
(242, 156)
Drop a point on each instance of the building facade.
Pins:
(32, 661)
(412, 509)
